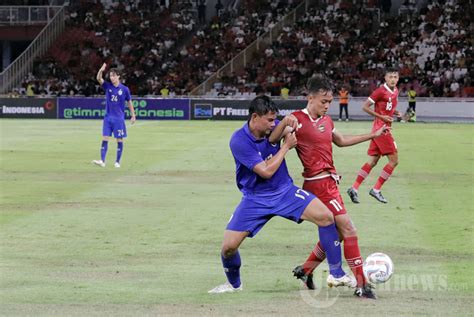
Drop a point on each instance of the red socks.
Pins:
(315, 258)
(384, 175)
(363, 173)
(354, 260)
(351, 253)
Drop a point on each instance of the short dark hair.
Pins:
(319, 83)
(390, 69)
(262, 105)
(115, 71)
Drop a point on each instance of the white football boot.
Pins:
(117, 165)
(346, 280)
(99, 163)
(225, 288)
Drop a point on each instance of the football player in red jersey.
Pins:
(384, 99)
(315, 134)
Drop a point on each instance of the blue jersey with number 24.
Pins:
(115, 98)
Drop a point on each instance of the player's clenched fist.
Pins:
(290, 140)
(290, 121)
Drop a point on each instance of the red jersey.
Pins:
(385, 101)
(314, 146)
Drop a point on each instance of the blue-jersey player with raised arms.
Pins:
(116, 95)
(268, 191)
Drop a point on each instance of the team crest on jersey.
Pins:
(110, 90)
(120, 92)
(321, 128)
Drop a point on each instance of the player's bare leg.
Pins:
(373, 160)
(384, 176)
(231, 262)
(317, 213)
(232, 241)
(103, 152)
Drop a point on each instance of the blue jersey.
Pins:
(115, 98)
(248, 152)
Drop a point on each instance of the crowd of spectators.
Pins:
(348, 40)
(141, 41)
(134, 36)
(210, 48)
(430, 47)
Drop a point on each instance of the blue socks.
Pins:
(232, 269)
(119, 151)
(330, 242)
(103, 150)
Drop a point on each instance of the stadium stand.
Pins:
(98, 31)
(341, 39)
(429, 48)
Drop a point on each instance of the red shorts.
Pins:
(327, 191)
(383, 145)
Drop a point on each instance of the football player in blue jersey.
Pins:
(268, 191)
(116, 95)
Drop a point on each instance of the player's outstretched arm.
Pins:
(267, 168)
(348, 140)
(99, 74)
(287, 125)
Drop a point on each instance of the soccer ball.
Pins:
(378, 268)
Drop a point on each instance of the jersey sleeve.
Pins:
(105, 85)
(331, 124)
(244, 152)
(296, 115)
(127, 95)
(375, 96)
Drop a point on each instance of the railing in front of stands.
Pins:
(27, 15)
(21, 66)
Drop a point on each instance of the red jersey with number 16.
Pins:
(314, 146)
(385, 101)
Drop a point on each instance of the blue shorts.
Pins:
(252, 214)
(115, 125)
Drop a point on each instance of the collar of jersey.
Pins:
(251, 136)
(386, 87)
(110, 83)
(305, 110)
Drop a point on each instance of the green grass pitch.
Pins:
(81, 240)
